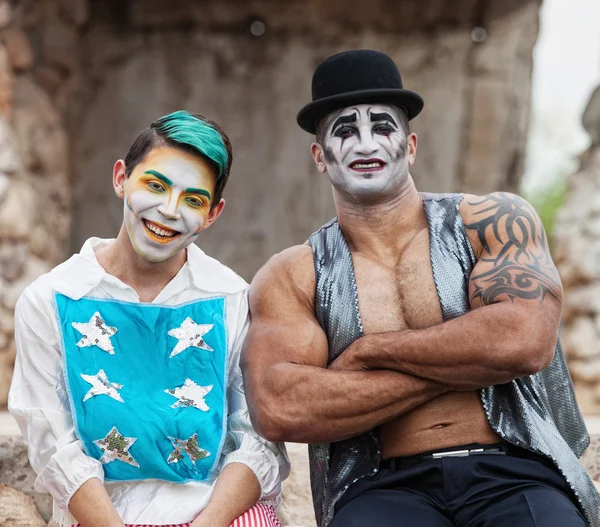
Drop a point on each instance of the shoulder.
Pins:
(499, 205)
(213, 276)
(290, 273)
(499, 218)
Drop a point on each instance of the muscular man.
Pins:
(414, 340)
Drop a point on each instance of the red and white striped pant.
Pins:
(260, 515)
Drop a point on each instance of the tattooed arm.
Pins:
(515, 295)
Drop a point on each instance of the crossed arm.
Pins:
(515, 294)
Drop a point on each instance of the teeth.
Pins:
(158, 231)
(367, 165)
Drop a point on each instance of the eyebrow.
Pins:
(343, 120)
(159, 176)
(200, 191)
(383, 117)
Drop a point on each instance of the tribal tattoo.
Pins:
(517, 262)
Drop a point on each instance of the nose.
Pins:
(170, 210)
(367, 144)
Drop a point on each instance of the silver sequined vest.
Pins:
(538, 412)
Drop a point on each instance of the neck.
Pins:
(382, 230)
(146, 278)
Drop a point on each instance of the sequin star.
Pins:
(190, 394)
(189, 446)
(95, 333)
(102, 386)
(116, 446)
(190, 334)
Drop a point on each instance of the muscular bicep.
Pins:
(514, 263)
(283, 327)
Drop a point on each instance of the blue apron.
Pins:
(147, 385)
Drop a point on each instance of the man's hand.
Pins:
(348, 360)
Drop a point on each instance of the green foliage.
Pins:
(548, 202)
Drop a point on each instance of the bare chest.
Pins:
(399, 297)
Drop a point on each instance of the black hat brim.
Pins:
(309, 115)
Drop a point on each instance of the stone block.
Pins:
(76, 11)
(16, 472)
(18, 509)
(5, 13)
(591, 117)
(20, 54)
(296, 508)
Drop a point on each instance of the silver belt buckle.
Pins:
(455, 453)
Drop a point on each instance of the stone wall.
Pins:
(79, 79)
(34, 177)
(471, 60)
(576, 251)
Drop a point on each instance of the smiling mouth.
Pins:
(159, 233)
(367, 165)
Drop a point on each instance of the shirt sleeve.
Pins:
(268, 461)
(39, 403)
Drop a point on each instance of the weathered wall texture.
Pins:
(577, 253)
(144, 58)
(79, 79)
(34, 189)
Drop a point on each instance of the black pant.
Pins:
(519, 489)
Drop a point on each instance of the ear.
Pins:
(318, 155)
(411, 148)
(214, 213)
(119, 178)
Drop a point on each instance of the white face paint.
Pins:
(167, 202)
(365, 151)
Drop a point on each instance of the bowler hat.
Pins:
(356, 77)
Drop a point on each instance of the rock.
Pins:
(50, 79)
(10, 161)
(576, 248)
(77, 11)
(16, 472)
(13, 257)
(19, 49)
(296, 504)
(587, 371)
(591, 117)
(583, 300)
(18, 510)
(59, 44)
(6, 84)
(581, 342)
(7, 322)
(18, 211)
(40, 132)
(4, 182)
(5, 13)
(34, 267)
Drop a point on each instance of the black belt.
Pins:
(498, 449)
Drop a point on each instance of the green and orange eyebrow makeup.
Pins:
(166, 180)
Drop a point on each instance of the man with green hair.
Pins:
(127, 383)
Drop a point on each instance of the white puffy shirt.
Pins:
(38, 398)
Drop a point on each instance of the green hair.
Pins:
(183, 128)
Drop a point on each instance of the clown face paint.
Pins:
(365, 151)
(167, 202)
